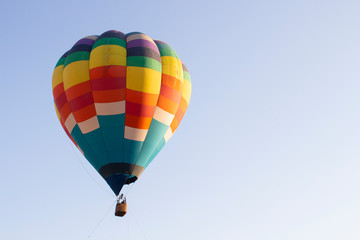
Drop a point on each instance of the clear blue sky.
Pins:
(269, 148)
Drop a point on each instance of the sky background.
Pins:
(268, 149)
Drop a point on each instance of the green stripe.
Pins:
(60, 62)
(187, 76)
(146, 62)
(166, 50)
(109, 41)
(77, 56)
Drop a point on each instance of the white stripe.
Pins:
(110, 108)
(168, 134)
(163, 116)
(92, 37)
(70, 122)
(135, 133)
(138, 36)
(89, 125)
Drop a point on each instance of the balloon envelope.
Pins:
(120, 97)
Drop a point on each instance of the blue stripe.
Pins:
(156, 132)
(114, 140)
(131, 150)
(86, 148)
(96, 142)
(157, 150)
(112, 128)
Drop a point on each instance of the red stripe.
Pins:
(139, 109)
(106, 96)
(58, 90)
(170, 93)
(108, 83)
(78, 90)
(60, 101)
(81, 102)
(107, 71)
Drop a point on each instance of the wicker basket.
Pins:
(120, 209)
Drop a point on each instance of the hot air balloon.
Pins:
(119, 98)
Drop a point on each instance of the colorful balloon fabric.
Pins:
(119, 98)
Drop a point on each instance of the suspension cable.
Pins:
(101, 220)
(88, 172)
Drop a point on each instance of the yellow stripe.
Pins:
(75, 73)
(172, 66)
(57, 77)
(186, 93)
(106, 55)
(143, 80)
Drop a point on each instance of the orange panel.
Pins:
(183, 104)
(174, 125)
(179, 114)
(85, 113)
(141, 97)
(137, 122)
(172, 82)
(167, 105)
